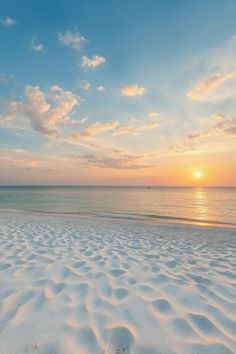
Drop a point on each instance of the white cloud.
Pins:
(100, 88)
(8, 21)
(44, 117)
(72, 39)
(133, 90)
(85, 85)
(92, 62)
(35, 45)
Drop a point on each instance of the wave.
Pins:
(133, 216)
(170, 218)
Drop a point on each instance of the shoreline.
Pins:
(127, 217)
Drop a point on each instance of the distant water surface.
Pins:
(194, 205)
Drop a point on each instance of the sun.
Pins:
(198, 174)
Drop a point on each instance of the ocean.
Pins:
(173, 204)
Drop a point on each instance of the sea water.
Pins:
(172, 204)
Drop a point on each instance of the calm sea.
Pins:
(193, 205)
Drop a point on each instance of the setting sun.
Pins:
(198, 174)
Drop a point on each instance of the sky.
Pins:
(112, 92)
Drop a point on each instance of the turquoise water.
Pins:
(202, 205)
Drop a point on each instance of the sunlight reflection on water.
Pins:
(201, 204)
(170, 203)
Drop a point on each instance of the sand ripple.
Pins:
(71, 285)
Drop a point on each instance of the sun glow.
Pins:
(198, 174)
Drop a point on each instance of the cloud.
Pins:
(218, 77)
(221, 120)
(16, 160)
(100, 88)
(125, 154)
(231, 130)
(20, 159)
(92, 62)
(223, 59)
(96, 128)
(72, 39)
(147, 127)
(103, 161)
(44, 117)
(133, 90)
(204, 87)
(13, 110)
(222, 126)
(7, 21)
(85, 85)
(153, 115)
(35, 45)
(131, 130)
(6, 78)
(181, 150)
(68, 121)
(125, 130)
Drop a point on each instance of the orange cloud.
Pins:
(223, 125)
(205, 87)
(133, 90)
(131, 130)
(96, 129)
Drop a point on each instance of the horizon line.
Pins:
(118, 186)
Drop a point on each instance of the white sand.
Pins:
(74, 286)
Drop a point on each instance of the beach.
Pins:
(74, 284)
(117, 177)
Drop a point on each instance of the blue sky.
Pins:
(120, 90)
